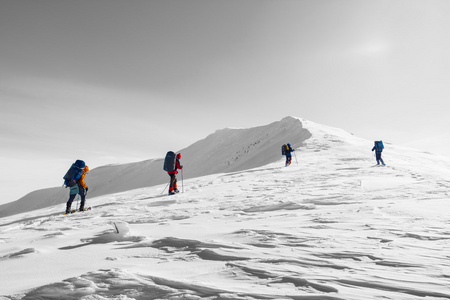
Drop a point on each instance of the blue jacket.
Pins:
(378, 146)
(288, 152)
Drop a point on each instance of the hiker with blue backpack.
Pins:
(286, 149)
(378, 147)
(171, 165)
(74, 180)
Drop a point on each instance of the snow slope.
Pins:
(333, 226)
(226, 150)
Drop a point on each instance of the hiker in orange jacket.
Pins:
(81, 189)
(173, 176)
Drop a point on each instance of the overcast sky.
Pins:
(112, 81)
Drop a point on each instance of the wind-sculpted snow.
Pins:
(330, 227)
(279, 278)
(108, 284)
(280, 206)
(225, 150)
(18, 254)
(120, 233)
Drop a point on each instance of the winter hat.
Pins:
(178, 155)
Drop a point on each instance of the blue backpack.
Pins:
(379, 146)
(286, 149)
(169, 162)
(74, 173)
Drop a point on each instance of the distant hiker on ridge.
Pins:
(74, 179)
(287, 150)
(378, 149)
(171, 164)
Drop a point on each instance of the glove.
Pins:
(87, 189)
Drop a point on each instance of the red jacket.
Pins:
(177, 166)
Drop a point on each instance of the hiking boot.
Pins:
(176, 190)
(171, 193)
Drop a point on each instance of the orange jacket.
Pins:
(81, 181)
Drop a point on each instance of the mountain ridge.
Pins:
(225, 150)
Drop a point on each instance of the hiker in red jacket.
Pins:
(173, 176)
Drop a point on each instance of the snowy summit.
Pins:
(332, 225)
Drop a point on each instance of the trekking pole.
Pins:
(78, 198)
(295, 155)
(182, 181)
(165, 188)
(85, 198)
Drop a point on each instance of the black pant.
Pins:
(288, 158)
(173, 181)
(82, 193)
(378, 157)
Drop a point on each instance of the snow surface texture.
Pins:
(225, 150)
(333, 226)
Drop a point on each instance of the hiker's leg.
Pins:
(378, 156)
(69, 202)
(82, 194)
(172, 182)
